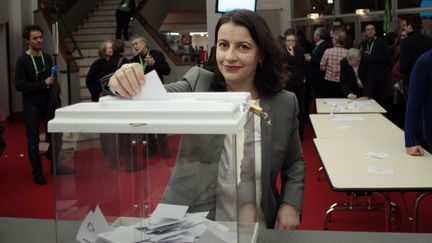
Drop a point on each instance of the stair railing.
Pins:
(175, 58)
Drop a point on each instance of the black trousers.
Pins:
(122, 19)
(33, 115)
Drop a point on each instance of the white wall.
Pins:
(20, 15)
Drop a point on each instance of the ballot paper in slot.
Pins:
(157, 165)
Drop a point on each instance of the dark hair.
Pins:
(118, 47)
(28, 29)
(340, 20)
(270, 74)
(415, 21)
(289, 31)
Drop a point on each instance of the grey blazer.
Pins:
(280, 146)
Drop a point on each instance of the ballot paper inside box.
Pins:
(128, 156)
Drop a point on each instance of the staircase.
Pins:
(100, 26)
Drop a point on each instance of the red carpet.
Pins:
(22, 198)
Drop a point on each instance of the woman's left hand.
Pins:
(287, 218)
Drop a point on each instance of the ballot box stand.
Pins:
(130, 157)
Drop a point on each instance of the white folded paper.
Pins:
(152, 89)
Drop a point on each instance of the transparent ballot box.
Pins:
(176, 170)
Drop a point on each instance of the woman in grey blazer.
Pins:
(248, 59)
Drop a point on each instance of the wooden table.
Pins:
(354, 126)
(348, 106)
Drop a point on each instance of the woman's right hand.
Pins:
(127, 80)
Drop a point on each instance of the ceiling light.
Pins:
(313, 15)
(362, 11)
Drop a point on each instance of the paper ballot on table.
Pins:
(93, 224)
(169, 211)
(152, 89)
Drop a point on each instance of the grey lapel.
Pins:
(266, 138)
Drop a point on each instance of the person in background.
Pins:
(330, 63)
(339, 24)
(413, 46)
(35, 81)
(123, 16)
(418, 118)
(295, 60)
(376, 51)
(354, 76)
(314, 74)
(304, 43)
(96, 72)
(203, 56)
(149, 60)
(211, 61)
(248, 59)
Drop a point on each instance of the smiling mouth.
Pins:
(230, 68)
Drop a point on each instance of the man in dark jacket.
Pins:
(412, 47)
(313, 74)
(35, 82)
(376, 51)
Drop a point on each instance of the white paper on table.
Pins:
(169, 211)
(376, 155)
(152, 89)
(93, 224)
(381, 171)
(86, 232)
(123, 234)
(101, 225)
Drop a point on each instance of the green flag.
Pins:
(387, 17)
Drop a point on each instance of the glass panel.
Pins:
(127, 176)
(350, 6)
(302, 8)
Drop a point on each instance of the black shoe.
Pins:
(65, 171)
(39, 179)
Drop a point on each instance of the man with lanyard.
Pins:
(34, 80)
(376, 51)
(152, 60)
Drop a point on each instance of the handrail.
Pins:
(75, 45)
(156, 36)
(67, 55)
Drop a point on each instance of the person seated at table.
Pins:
(355, 76)
(418, 116)
(248, 59)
